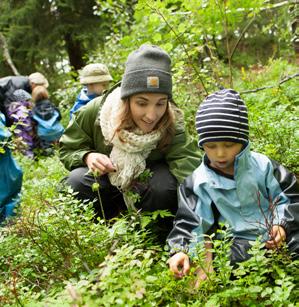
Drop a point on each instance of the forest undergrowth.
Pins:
(55, 253)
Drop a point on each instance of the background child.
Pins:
(10, 175)
(254, 195)
(95, 78)
(12, 83)
(47, 117)
(19, 113)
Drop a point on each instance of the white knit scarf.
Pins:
(130, 148)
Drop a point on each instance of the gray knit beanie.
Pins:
(222, 116)
(148, 69)
(20, 95)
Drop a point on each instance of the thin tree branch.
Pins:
(271, 86)
(6, 55)
(223, 13)
(241, 36)
(182, 43)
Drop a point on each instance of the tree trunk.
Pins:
(294, 13)
(6, 55)
(75, 52)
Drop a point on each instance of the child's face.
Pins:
(222, 155)
(97, 88)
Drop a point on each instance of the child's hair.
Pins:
(166, 123)
(39, 93)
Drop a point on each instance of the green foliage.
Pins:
(65, 97)
(264, 279)
(200, 34)
(133, 273)
(55, 252)
(273, 113)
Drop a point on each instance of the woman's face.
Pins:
(147, 109)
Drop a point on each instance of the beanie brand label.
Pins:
(152, 82)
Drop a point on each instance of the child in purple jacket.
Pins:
(19, 113)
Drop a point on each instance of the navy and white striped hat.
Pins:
(222, 116)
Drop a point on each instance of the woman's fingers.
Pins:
(99, 162)
(105, 164)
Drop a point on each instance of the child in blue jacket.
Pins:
(10, 176)
(95, 78)
(254, 195)
(47, 118)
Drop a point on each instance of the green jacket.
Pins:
(84, 135)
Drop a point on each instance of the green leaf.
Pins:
(157, 37)
(181, 28)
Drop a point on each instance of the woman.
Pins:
(133, 127)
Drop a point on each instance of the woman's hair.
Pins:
(166, 123)
(39, 92)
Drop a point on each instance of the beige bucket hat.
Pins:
(94, 73)
(38, 79)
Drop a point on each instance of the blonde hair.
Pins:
(166, 123)
(39, 92)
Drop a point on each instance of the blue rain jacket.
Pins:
(49, 130)
(244, 203)
(10, 176)
(82, 99)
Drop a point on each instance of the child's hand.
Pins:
(203, 275)
(179, 264)
(278, 235)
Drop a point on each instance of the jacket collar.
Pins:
(242, 159)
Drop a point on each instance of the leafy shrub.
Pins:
(56, 254)
(273, 113)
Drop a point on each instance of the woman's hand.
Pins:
(278, 235)
(98, 162)
(179, 264)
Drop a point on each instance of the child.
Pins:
(232, 185)
(47, 117)
(12, 83)
(19, 113)
(10, 176)
(95, 78)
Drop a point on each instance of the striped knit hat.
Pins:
(222, 116)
